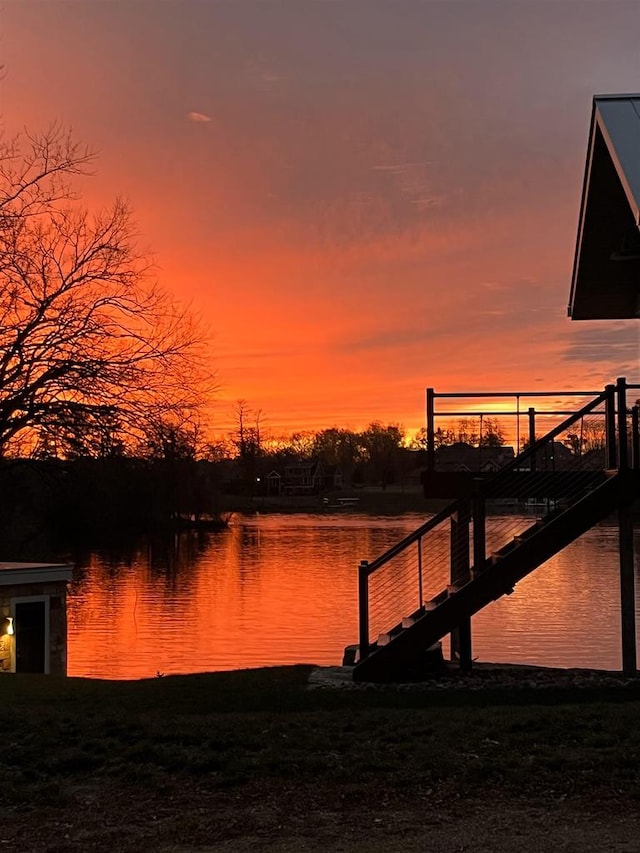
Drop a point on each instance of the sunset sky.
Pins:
(360, 198)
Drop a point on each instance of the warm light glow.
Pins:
(10, 628)
(355, 230)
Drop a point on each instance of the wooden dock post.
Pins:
(431, 431)
(532, 438)
(625, 544)
(610, 427)
(363, 607)
(460, 574)
(627, 591)
(623, 450)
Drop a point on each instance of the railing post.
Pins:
(623, 451)
(431, 432)
(532, 438)
(420, 590)
(610, 425)
(479, 533)
(635, 437)
(460, 574)
(627, 591)
(363, 608)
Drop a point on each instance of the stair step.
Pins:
(517, 540)
(351, 655)
(529, 532)
(416, 613)
(385, 638)
(428, 606)
(408, 621)
(506, 549)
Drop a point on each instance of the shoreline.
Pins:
(367, 501)
(483, 676)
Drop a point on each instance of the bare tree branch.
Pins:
(89, 341)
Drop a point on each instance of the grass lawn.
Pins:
(252, 760)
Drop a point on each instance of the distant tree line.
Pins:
(378, 454)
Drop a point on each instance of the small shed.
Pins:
(33, 617)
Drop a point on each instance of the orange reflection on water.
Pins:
(281, 589)
(270, 590)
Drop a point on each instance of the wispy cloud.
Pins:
(399, 167)
(198, 117)
(413, 181)
(613, 342)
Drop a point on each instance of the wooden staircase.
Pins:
(496, 577)
(582, 499)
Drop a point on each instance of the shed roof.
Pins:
(606, 272)
(13, 574)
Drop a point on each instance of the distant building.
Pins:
(310, 478)
(464, 457)
(556, 457)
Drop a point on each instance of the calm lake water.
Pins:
(281, 589)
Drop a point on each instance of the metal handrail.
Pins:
(525, 394)
(403, 544)
(551, 435)
(506, 414)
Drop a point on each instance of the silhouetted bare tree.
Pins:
(91, 347)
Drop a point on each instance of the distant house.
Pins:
(464, 457)
(310, 478)
(559, 457)
(555, 457)
(594, 460)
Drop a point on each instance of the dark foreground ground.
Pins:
(254, 760)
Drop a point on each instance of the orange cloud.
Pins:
(198, 117)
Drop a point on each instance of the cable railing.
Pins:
(409, 573)
(402, 585)
(549, 478)
(551, 473)
(486, 421)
